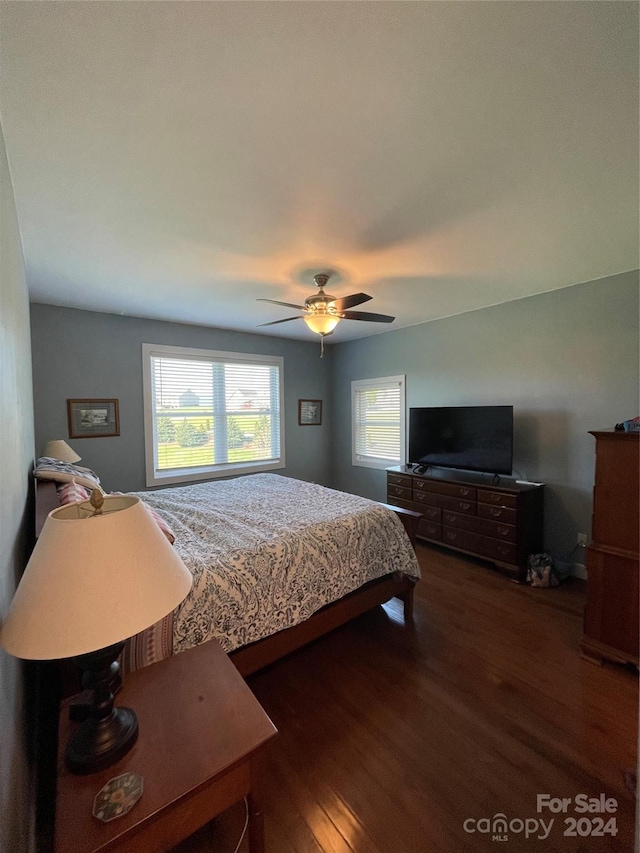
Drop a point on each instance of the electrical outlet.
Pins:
(582, 538)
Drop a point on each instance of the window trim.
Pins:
(226, 469)
(379, 382)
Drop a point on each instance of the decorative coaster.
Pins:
(118, 797)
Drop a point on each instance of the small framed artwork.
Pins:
(93, 418)
(310, 412)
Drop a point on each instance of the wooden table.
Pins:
(202, 733)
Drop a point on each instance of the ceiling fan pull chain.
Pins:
(321, 346)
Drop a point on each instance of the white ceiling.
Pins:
(178, 160)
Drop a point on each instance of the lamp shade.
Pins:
(321, 323)
(59, 449)
(93, 580)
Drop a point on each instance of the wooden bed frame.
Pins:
(257, 655)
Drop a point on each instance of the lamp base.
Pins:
(107, 733)
(97, 744)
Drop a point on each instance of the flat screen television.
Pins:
(472, 438)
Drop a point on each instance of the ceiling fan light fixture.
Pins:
(321, 324)
(323, 312)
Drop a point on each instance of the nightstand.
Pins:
(202, 734)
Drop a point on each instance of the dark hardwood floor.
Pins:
(391, 736)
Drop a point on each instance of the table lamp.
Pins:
(101, 572)
(59, 449)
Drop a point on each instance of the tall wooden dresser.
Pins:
(611, 615)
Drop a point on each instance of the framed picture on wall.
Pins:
(310, 412)
(93, 418)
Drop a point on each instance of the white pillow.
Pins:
(64, 472)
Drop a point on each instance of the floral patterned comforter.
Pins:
(266, 552)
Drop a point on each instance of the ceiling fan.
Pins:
(323, 312)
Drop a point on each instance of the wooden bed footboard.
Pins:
(255, 656)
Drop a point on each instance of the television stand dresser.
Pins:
(499, 522)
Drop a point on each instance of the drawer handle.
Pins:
(503, 549)
(420, 497)
(465, 492)
(465, 505)
(495, 512)
(431, 528)
(495, 498)
(418, 484)
(503, 531)
(398, 490)
(451, 518)
(432, 512)
(451, 535)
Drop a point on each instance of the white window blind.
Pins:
(209, 413)
(378, 412)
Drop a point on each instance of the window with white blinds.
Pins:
(378, 421)
(210, 414)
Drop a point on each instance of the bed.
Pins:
(276, 562)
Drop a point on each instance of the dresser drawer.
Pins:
(402, 503)
(462, 520)
(481, 545)
(398, 492)
(497, 513)
(431, 513)
(498, 530)
(452, 489)
(399, 480)
(504, 551)
(460, 538)
(478, 524)
(497, 498)
(429, 529)
(444, 501)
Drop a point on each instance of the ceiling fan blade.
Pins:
(286, 304)
(345, 302)
(275, 322)
(364, 315)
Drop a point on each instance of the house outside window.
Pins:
(378, 421)
(211, 414)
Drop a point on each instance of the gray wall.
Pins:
(87, 354)
(566, 360)
(16, 460)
